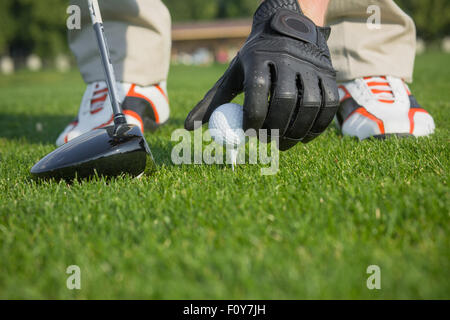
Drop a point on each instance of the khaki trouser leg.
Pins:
(359, 51)
(138, 34)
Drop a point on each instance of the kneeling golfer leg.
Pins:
(138, 33)
(374, 60)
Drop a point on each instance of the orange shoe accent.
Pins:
(101, 99)
(379, 91)
(411, 114)
(96, 110)
(133, 93)
(133, 114)
(162, 92)
(66, 138)
(376, 91)
(386, 101)
(105, 124)
(100, 91)
(370, 77)
(367, 114)
(374, 84)
(347, 94)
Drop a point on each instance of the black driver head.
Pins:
(108, 152)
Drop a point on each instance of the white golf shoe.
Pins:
(146, 107)
(380, 107)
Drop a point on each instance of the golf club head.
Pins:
(109, 152)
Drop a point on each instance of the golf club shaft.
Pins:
(97, 22)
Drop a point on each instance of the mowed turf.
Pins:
(336, 207)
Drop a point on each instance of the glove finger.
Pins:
(330, 105)
(225, 90)
(308, 105)
(257, 90)
(283, 100)
(286, 143)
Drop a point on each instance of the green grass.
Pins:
(336, 207)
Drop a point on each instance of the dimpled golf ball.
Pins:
(226, 125)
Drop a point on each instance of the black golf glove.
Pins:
(285, 70)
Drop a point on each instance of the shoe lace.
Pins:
(380, 88)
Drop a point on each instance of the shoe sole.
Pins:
(391, 135)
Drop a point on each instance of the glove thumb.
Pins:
(225, 90)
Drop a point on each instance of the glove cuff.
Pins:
(325, 31)
(269, 7)
(298, 27)
(295, 26)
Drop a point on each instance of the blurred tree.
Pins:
(210, 9)
(43, 24)
(236, 8)
(37, 26)
(7, 25)
(432, 17)
(32, 26)
(192, 9)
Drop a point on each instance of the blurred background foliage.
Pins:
(32, 26)
(190, 10)
(432, 17)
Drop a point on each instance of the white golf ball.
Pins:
(226, 125)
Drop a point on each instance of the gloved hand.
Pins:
(285, 70)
